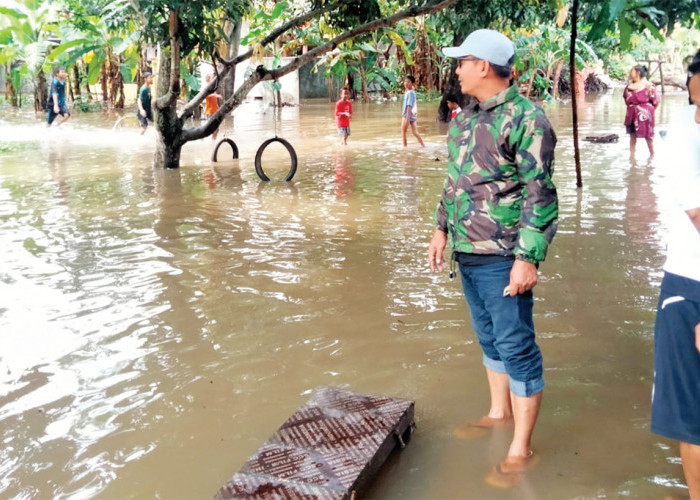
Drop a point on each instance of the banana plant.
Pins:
(541, 53)
(111, 55)
(27, 34)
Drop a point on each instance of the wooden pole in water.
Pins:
(574, 109)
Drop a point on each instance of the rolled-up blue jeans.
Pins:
(503, 326)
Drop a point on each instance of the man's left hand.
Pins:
(697, 337)
(523, 277)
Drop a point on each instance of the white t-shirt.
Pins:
(682, 164)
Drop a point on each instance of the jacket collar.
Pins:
(502, 97)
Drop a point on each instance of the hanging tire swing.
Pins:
(258, 159)
(218, 145)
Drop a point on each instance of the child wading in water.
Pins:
(57, 99)
(409, 112)
(453, 105)
(211, 105)
(144, 112)
(343, 112)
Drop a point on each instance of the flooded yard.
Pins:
(156, 327)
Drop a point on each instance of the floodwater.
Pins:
(156, 327)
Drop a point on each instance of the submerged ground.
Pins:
(157, 327)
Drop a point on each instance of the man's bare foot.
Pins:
(516, 465)
(511, 471)
(476, 428)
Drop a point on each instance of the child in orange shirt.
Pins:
(211, 105)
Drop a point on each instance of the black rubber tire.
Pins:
(218, 145)
(258, 159)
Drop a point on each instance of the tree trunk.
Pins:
(574, 94)
(557, 75)
(528, 91)
(227, 85)
(363, 78)
(168, 126)
(76, 80)
(103, 82)
(10, 93)
(40, 94)
(116, 82)
(167, 153)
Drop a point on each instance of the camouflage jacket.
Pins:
(498, 197)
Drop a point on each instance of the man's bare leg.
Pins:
(690, 454)
(525, 411)
(500, 412)
(499, 389)
(633, 145)
(520, 458)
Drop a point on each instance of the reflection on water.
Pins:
(157, 326)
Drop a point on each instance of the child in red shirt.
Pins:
(343, 112)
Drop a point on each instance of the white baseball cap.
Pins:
(488, 45)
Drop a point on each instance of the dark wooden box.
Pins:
(330, 448)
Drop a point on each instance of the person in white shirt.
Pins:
(675, 411)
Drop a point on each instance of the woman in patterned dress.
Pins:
(641, 99)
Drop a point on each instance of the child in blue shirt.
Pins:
(409, 112)
(57, 99)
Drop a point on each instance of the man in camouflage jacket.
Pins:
(499, 212)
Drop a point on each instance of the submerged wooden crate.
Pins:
(329, 448)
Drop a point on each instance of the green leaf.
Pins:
(12, 13)
(615, 8)
(16, 79)
(653, 30)
(625, 33)
(60, 49)
(278, 9)
(192, 82)
(126, 72)
(94, 70)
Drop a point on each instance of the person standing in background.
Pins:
(144, 112)
(211, 105)
(57, 99)
(409, 112)
(343, 113)
(641, 99)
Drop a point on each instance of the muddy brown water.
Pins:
(157, 327)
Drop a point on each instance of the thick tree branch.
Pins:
(261, 73)
(297, 21)
(413, 11)
(237, 98)
(170, 99)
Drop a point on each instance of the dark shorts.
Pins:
(343, 132)
(630, 128)
(675, 400)
(145, 119)
(51, 116)
(503, 326)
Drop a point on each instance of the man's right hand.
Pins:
(436, 249)
(56, 109)
(143, 113)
